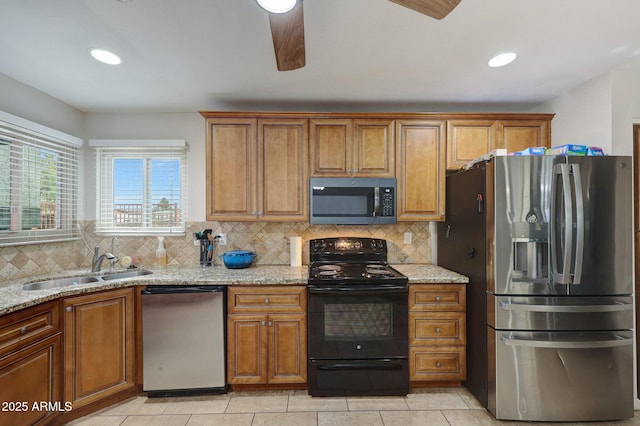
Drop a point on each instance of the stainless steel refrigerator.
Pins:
(547, 244)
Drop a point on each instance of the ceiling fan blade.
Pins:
(287, 32)
(437, 9)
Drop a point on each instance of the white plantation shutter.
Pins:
(141, 186)
(38, 183)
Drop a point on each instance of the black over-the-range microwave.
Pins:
(352, 201)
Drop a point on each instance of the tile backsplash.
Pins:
(269, 240)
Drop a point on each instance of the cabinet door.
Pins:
(282, 170)
(468, 140)
(231, 169)
(420, 169)
(374, 148)
(247, 349)
(32, 376)
(99, 343)
(331, 147)
(516, 135)
(287, 348)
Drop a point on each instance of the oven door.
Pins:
(358, 321)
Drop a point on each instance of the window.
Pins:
(38, 183)
(140, 186)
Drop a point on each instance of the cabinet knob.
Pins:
(263, 323)
(438, 330)
(69, 309)
(23, 330)
(266, 301)
(438, 364)
(437, 298)
(270, 323)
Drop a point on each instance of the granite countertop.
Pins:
(13, 297)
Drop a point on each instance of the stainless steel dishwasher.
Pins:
(183, 338)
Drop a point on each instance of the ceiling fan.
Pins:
(287, 25)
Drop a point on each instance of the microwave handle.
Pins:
(376, 201)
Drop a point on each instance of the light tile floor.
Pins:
(431, 407)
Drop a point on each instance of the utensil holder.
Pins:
(206, 252)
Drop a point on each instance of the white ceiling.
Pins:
(190, 55)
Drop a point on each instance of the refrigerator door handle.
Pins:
(521, 307)
(577, 180)
(568, 344)
(563, 277)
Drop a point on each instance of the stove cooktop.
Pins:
(352, 260)
(355, 274)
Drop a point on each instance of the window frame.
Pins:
(106, 152)
(25, 138)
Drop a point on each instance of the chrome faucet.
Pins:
(96, 262)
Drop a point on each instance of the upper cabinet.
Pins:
(516, 135)
(471, 137)
(352, 147)
(421, 169)
(259, 163)
(257, 169)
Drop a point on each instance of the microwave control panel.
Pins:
(388, 209)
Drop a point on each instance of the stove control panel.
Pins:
(347, 246)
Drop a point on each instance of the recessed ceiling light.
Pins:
(502, 59)
(277, 6)
(105, 56)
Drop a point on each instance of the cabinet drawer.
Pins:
(24, 327)
(437, 363)
(437, 297)
(267, 299)
(441, 328)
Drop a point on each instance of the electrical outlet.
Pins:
(408, 238)
(222, 241)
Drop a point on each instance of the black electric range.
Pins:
(357, 320)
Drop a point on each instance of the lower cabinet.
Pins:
(99, 345)
(267, 335)
(31, 366)
(437, 333)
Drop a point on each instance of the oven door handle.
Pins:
(386, 365)
(358, 289)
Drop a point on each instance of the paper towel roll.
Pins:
(296, 251)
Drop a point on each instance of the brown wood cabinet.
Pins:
(518, 134)
(257, 169)
(437, 333)
(352, 147)
(420, 169)
(471, 137)
(99, 345)
(468, 140)
(31, 366)
(266, 335)
(258, 162)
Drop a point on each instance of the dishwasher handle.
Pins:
(183, 289)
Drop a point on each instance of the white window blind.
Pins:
(38, 183)
(141, 186)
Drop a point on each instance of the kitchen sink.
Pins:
(57, 283)
(65, 282)
(128, 274)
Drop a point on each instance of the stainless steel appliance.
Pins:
(352, 201)
(547, 244)
(183, 338)
(357, 320)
